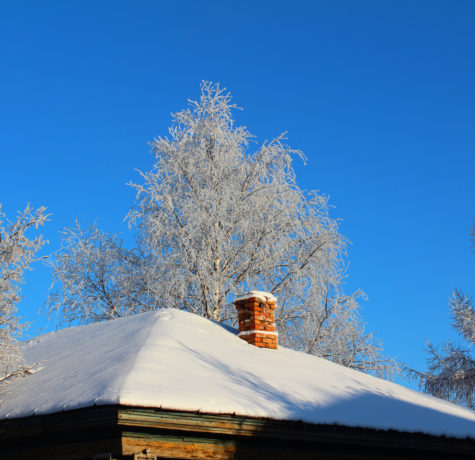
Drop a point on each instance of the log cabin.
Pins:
(170, 384)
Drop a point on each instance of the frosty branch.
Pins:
(451, 366)
(17, 252)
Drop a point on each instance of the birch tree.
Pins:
(451, 366)
(218, 215)
(17, 252)
(100, 278)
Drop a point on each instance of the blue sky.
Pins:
(380, 97)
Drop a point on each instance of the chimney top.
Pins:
(258, 295)
(256, 319)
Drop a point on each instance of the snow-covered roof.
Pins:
(176, 360)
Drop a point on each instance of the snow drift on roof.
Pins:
(177, 360)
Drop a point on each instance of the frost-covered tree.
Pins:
(217, 216)
(451, 366)
(17, 252)
(100, 279)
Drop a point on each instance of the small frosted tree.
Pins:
(451, 366)
(17, 252)
(216, 217)
(100, 279)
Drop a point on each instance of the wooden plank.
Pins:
(187, 421)
(178, 447)
(72, 450)
(74, 420)
(76, 434)
(225, 426)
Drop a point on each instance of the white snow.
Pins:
(261, 295)
(256, 331)
(177, 360)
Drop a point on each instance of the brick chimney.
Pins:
(256, 319)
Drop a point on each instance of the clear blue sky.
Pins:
(379, 95)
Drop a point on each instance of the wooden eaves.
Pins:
(123, 432)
